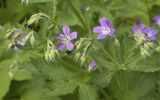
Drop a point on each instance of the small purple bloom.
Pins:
(105, 28)
(66, 38)
(138, 30)
(92, 64)
(19, 40)
(157, 20)
(142, 33)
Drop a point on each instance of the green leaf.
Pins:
(127, 85)
(63, 88)
(5, 79)
(145, 65)
(22, 74)
(87, 92)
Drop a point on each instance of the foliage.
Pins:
(38, 71)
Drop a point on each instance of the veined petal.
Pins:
(59, 36)
(69, 46)
(61, 45)
(112, 30)
(104, 22)
(66, 29)
(73, 35)
(98, 29)
(101, 36)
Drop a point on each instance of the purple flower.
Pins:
(19, 40)
(92, 64)
(157, 20)
(142, 33)
(105, 28)
(138, 30)
(151, 33)
(66, 38)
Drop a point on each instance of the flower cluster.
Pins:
(67, 37)
(143, 33)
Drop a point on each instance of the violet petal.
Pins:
(152, 38)
(66, 29)
(98, 29)
(70, 46)
(73, 35)
(59, 36)
(61, 45)
(101, 36)
(104, 22)
(112, 30)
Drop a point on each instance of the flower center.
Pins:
(66, 38)
(140, 37)
(106, 30)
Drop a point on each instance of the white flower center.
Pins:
(106, 30)
(67, 38)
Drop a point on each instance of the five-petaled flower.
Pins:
(66, 38)
(92, 64)
(19, 41)
(142, 33)
(157, 20)
(105, 28)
